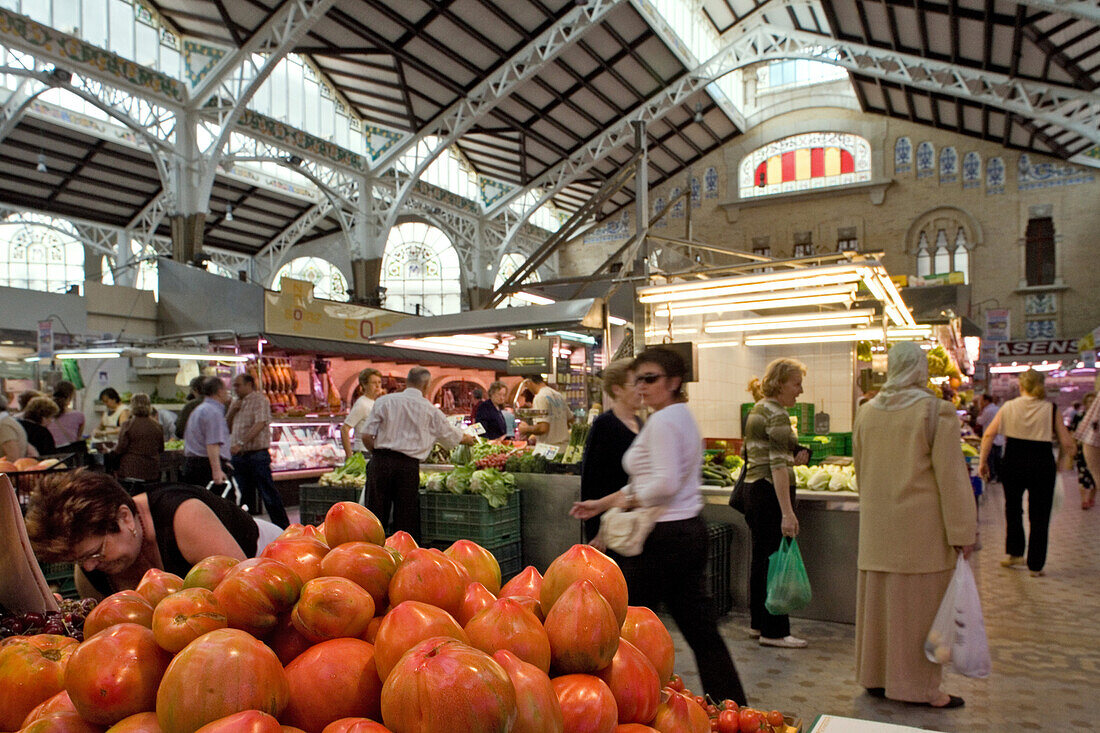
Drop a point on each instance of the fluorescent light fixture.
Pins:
(1020, 368)
(444, 348)
(795, 299)
(805, 281)
(467, 340)
(89, 354)
(580, 338)
(782, 279)
(860, 334)
(716, 344)
(532, 298)
(675, 331)
(860, 317)
(198, 356)
(32, 359)
(616, 321)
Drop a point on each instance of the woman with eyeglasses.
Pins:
(664, 465)
(88, 518)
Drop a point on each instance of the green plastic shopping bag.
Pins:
(788, 585)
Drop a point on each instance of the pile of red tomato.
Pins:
(338, 629)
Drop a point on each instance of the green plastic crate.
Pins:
(59, 576)
(509, 556)
(450, 517)
(804, 411)
(840, 444)
(314, 500)
(717, 571)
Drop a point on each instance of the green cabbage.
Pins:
(458, 480)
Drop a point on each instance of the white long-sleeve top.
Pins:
(665, 463)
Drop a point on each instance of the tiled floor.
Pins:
(1044, 637)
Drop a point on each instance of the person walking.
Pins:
(140, 442)
(665, 464)
(552, 426)
(770, 450)
(399, 433)
(916, 514)
(988, 409)
(249, 419)
(610, 436)
(489, 413)
(1029, 423)
(194, 399)
(1086, 481)
(68, 427)
(370, 382)
(206, 456)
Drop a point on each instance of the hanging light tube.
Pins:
(820, 296)
(89, 354)
(198, 356)
(859, 334)
(860, 317)
(442, 348)
(771, 280)
(533, 298)
(717, 344)
(806, 281)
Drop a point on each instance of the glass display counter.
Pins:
(305, 446)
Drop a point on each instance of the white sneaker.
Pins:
(787, 642)
(754, 633)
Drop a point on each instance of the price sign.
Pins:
(548, 450)
(477, 429)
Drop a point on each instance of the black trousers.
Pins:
(196, 470)
(671, 569)
(765, 519)
(1028, 465)
(392, 485)
(252, 469)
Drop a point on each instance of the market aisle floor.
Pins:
(1044, 636)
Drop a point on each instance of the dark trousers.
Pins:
(392, 485)
(196, 470)
(765, 519)
(995, 462)
(1028, 465)
(252, 469)
(671, 569)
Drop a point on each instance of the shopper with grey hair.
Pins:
(400, 433)
(206, 441)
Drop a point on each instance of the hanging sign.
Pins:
(1039, 348)
(293, 311)
(45, 339)
(997, 323)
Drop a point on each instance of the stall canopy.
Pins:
(582, 313)
(379, 352)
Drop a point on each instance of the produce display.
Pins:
(578, 435)
(495, 485)
(170, 445)
(67, 621)
(30, 464)
(364, 637)
(825, 478)
(352, 473)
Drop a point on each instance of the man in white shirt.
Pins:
(988, 406)
(552, 426)
(370, 382)
(400, 433)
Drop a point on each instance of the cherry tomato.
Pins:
(750, 719)
(712, 710)
(728, 722)
(728, 704)
(776, 721)
(714, 725)
(701, 701)
(676, 683)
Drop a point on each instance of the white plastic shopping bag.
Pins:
(1065, 482)
(958, 635)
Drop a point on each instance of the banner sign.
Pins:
(997, 324)
(294, 311)
(530, 356)
(1043, 348)
(45, 339)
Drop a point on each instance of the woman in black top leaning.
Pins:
(610, 435)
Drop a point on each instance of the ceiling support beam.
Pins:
(1081, 9)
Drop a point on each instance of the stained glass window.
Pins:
(328, 281)
(805, 162)
(421, 271)
(509, 263)
(40, 253)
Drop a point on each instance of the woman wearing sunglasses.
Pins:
(664, 464)
(88, 518)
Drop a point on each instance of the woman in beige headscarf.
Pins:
(916, 514)
(1029, 423)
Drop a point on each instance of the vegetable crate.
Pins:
(314, 500)
(804, 411)
(449, 517)
(59, 576)
(509, 556)
(717, 572)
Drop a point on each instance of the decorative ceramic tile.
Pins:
(1040, 303)
(610, 231)
(678, 207)
(710, 183)
(696, 193)
(659, 206)
(972, 170)
(1046, 175)
(1044, 329)
(995, 176)
(949, 165)
(903, 155)
(926, 159)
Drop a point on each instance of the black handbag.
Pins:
(739, 497)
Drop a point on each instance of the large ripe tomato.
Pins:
(476, 599)
(367, 564)
(303, 555)
(505, 624)
(115, 674)
(538, 709)
(405, 626)
(355, 725)
(124, 607)
(246, 721)
(634, 728)
(442, 686)
(331, 608)
(32, 670)
(62, 723)
(218, 674)
(679, 714)
(645, 630)
(587, 705)
(527, 584)
(634, 683)
(183, 617)
(729, 721)
(479, 563)
(401, 542)
(585, 562)
(429, 576)
(347, 521)
(59, 703)
(157, 584)
(254, 593)
(286, 641)
(139, 723)
(209, 571)
(582, 629)
(333, 680)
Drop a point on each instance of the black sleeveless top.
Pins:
(164, 500)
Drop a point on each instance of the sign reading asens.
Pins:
(1046, 347)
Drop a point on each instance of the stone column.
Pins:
(366, 282)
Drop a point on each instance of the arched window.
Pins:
(39, 253)
(215, 269)
(943, 242)
(804, 162)
(509, 263)
(328, 281)
(420, 271)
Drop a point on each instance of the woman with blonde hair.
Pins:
(1029, 423)
(770, 447)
